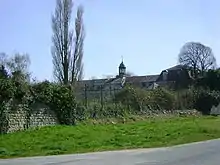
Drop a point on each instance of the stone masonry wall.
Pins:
(215, 110)
(40, 116)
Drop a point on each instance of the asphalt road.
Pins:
(202, 153)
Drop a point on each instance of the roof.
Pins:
(100, 81)
(93, 81)
(177, 67)
(132, 79)
(148, 78)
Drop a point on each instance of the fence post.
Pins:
(101, 96)
(86, 97)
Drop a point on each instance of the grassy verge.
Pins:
(86, 138)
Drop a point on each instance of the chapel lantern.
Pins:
(122, 69)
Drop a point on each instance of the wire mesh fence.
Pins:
(100, 94)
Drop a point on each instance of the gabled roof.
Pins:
(151, 78)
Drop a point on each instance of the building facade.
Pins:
(174, 77)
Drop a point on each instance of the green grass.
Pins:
(86, 138)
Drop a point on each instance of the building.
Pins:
(170, 76)
(174, 77)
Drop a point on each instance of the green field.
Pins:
(87, 138)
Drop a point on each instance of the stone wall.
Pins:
(40, 116)
(215, 110)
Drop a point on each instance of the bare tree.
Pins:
(19, 63)
(197, 56)
(67, 48)
(3, 58)
(16, 65)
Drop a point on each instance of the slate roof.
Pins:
(148, 78)
(99, 81)
(177, 67)
(91, 82)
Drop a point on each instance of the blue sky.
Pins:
(147, 33)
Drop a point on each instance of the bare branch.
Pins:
(197, 56)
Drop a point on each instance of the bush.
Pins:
(7, 89)
(143, 100)
(205, 99)
(114, 110)
(42, 92)
(4, 123)
(210, 80)
(185, 99)
(60, 99)
(108, 110)
(162, 98)
(81, 112)
(132, 98)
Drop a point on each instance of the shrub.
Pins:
(7, 89)
(210, 80)
(162, 98)
(4, 123)
(185, 99)
(205, 99)
(132, 97)
(42, 92)
(114, 110)
(60, 99)
(64, 104)
(81, 112)
(108, 110)
(143, 100)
